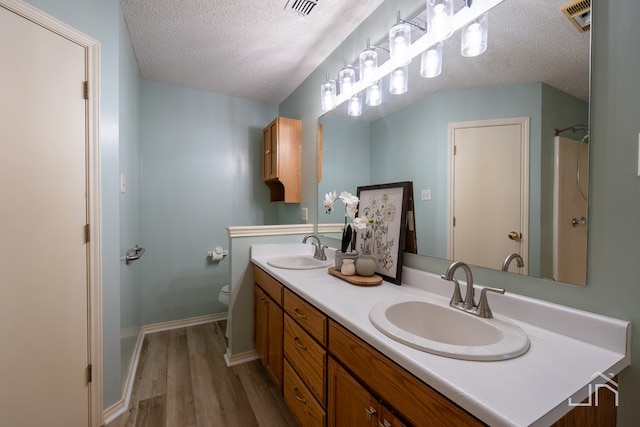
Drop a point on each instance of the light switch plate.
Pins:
(426, 194)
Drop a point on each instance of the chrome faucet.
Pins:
(511, 257)
(468, 304)
(318, 252)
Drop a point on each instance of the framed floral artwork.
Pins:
(384, 208)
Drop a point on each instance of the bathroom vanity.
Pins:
(336, 368)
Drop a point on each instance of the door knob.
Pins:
(514, 235)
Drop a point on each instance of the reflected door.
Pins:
(570, 211)
(489, 197)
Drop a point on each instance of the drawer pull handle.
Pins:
(384, 423)
(298, 344)
(298, 314)
(369, 412)
(297, 396)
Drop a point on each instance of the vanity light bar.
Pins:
(458, 21)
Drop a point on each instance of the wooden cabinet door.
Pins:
(270, 151)
(268, 334)
(261, 323)
(275, 334)
(350, 404)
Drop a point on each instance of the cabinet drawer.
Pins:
(310, 318)
(412, 398)
(271, 286)
(301, 401)
(307, 357)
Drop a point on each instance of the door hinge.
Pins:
(85, 89)
(455, 148)
(454, 221)
(89, 374)
(87, 233)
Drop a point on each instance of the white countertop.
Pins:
(568, 347)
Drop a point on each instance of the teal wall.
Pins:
(201, 163)
(613, 287)
(346, 161)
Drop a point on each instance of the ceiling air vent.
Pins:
(301, 7)
(579, 13)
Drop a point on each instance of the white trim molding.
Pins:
(269, 230)
(238, 359)
(330, 228)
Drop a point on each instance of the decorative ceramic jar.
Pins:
(339, 256)
(365, 266)
(348, 267)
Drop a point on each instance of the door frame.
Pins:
(524, 178)
(94, 260)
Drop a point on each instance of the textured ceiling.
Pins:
(263, 51)
(249, 49)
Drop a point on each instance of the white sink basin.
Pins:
(298, 262)
(446, 331)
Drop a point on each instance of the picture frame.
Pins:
(384, 207)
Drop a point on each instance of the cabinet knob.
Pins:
(267, 152)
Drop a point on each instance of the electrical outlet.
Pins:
(305, 214)
(426, 194)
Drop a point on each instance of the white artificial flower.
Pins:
(360, 223)
(329, 200)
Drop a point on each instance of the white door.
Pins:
(489, 197)
(44, 348)
(570, 211)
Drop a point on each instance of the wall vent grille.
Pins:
(579, 13)
(301, 7)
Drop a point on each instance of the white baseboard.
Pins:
(122, 406)
(238, 359)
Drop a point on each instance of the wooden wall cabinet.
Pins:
(268, 315)
(282, 159)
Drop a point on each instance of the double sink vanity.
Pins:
(393, 355)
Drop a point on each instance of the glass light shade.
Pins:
(399, 80)
(431, 61)
(439, 13)
(368, 64)
(354, 108)
(374, 95)
(328, 95)
(474, 37)
(346, 78)
(399, 42)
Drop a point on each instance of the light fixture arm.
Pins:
(414, 23)
(370, 46)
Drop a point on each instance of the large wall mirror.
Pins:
(518, 116)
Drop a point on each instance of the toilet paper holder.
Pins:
(217, 254)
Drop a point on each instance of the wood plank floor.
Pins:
(183, 381)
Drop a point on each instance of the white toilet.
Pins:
(223, 296)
